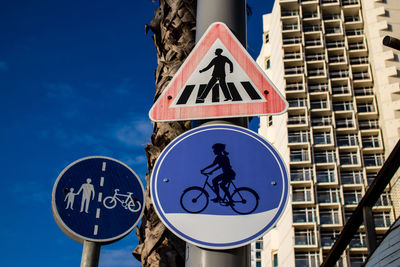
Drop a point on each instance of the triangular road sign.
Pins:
(219, 79)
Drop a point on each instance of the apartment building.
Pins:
(342, 86)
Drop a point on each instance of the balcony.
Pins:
(292, 55)
(291, 40)
(324, 156)
(339, 74)
(312, 43)
(310, 15)
(328, 17)
(355, 32)
(316, 72)
(340, 90)
(326, 176)
(357, 46)
(352, 19)
(315, 57)
(359, 60)
(304, 238)
(364, 91)
(289, 13)
(296, 103)
(301, 194)
(299, 155)
(349, 2)
(290, 27)
(329, 217)
(329, 2)
(319, 105)
(333, 30)
(321, 121)
(366, 107)
(335, 44)
(368, 124)
(294, 87)
(305, 215)
(373, 160)
(301, 175)
(343, 106)
(337, 59)
(349, 159)
(371, 142)
(296, 120)
(347, 140)
(322, 87)
(351, 178)
(323, 138)
(328, 196)
(352, 197)
(294, 70)
(346, 123)
(314, 28)
(382, 219)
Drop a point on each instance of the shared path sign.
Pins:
(219, 79)
(97, 199)
(219, 186)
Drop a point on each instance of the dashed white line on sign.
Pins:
(100, 197)
(103, 168)
(101, 181)
(96, 229)
(97, 213)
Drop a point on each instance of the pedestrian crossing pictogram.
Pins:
(218, 79)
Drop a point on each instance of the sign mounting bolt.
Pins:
(169, 97)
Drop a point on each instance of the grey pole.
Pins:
(233, 14)
(90, 254)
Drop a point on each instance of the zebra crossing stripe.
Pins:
(234, 92)
(250, 90)
(189, 89)
(185, 95)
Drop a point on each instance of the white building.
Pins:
(342, 86)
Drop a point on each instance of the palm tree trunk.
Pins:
(173, 26)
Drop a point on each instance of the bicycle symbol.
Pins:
(126, 201)
(195, 199)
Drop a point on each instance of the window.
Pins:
(301, 194)
(382, 219)
(330, 216)
(371, 177)
(330, 195)
(358, 241)
(389, 28)
(370, 141)
(304, 215)
(267, 63)
(328, 238)
(322, 138)
(357, 260)
(384, 200)
(326, 176)
(300, 174)
(373, 160)
(266, 38)
(259, 245)
(298, 137)
(307, 259)
(304, 237)
(270, 122)
(324, 156)
(387, 13)
(396, 57)
(297, 155)
(275, 259)
(351, 177)
(347, 140)
(349, 158)
(352, 197)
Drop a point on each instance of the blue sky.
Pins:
(76, 80)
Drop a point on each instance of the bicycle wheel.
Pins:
(245, 200)
(109, 202)
(194, 199)
(134, 205)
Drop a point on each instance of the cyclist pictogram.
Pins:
(125, 200)
(242, 200)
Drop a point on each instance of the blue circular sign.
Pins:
(98, 199)
(229, 186)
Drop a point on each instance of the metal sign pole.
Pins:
(90, 254)
(233, 14)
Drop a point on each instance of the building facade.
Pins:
(342, 86)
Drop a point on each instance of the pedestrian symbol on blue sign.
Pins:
(97, 199)
(231, 186)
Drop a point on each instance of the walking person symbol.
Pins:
(70, 197)
(222, 162)
(218, 75)
(87, 195)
